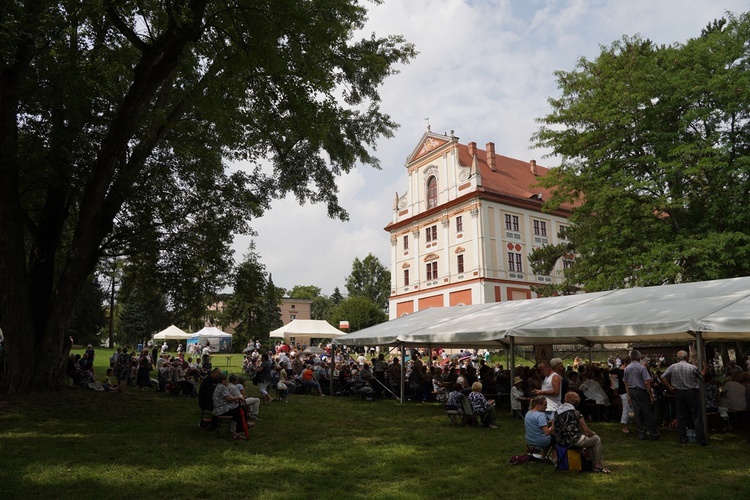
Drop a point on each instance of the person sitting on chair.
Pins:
(225, 404)
(481, 407)
(571, 430)
(359, 385)
(539, 431)
(454, 397)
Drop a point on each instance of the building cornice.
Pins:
(481, 194)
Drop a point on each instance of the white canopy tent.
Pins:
(303, 331)
(219, 341)
(718, 310)
(172, 333)
(704, 311)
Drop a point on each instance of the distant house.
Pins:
(462, 232)
(292, 309)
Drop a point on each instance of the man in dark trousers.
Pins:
(682, 379)
(640, 397)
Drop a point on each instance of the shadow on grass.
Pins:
(83, 444)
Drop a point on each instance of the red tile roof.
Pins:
(511, 177)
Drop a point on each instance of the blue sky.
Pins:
(485, 69)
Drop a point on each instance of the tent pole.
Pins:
(403, 371)
(512, 365)
(700, 351)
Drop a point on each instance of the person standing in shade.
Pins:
(682, 379)
(638, 381)
(551, 388)
(618, 387)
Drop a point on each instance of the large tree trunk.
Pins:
(43, 266)
(35, 351)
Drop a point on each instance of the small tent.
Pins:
(219, 341)
(172, 333)
(306, 331)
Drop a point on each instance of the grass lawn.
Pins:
(84, 444)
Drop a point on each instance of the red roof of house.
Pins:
(513, 178)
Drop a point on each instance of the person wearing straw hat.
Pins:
(517, 397)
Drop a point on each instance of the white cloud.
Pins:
(485, 70)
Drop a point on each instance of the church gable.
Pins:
(427, 144)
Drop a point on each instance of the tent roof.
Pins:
(311, 327)
(172, 333)
(719, 309)
(211, 331)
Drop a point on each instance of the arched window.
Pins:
(431, 192)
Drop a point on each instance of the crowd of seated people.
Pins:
(130, 368)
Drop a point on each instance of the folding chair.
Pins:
(455, 414)
(541, 451)
(469, 417)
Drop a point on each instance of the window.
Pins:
(406, 277)
(540, 228)
(561, 231)
(431, 192)
(432, 272)
(514, 262)
(511, 222)
(293, 316)
(406, 242)
(460, 263)
(459, 224)
(431, 234)
(293, 306)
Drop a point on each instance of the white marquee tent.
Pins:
(716, 310)
(219, 341)
(303, 331)
(709, 311)
(172, 333)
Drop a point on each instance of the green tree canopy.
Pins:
(370, 279)
(255, 304)
(141, 302)
(336, 296)
(88, 319)
(360, 312)
(655, 148)
(307, 292)
(116, 119)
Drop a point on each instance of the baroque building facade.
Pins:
(462, 232)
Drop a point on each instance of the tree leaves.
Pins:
(371, 280)
(654, 146)
(117, 118)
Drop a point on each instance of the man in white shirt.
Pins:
(551, 388)
(284, 361)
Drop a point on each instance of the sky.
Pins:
(485, 70)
